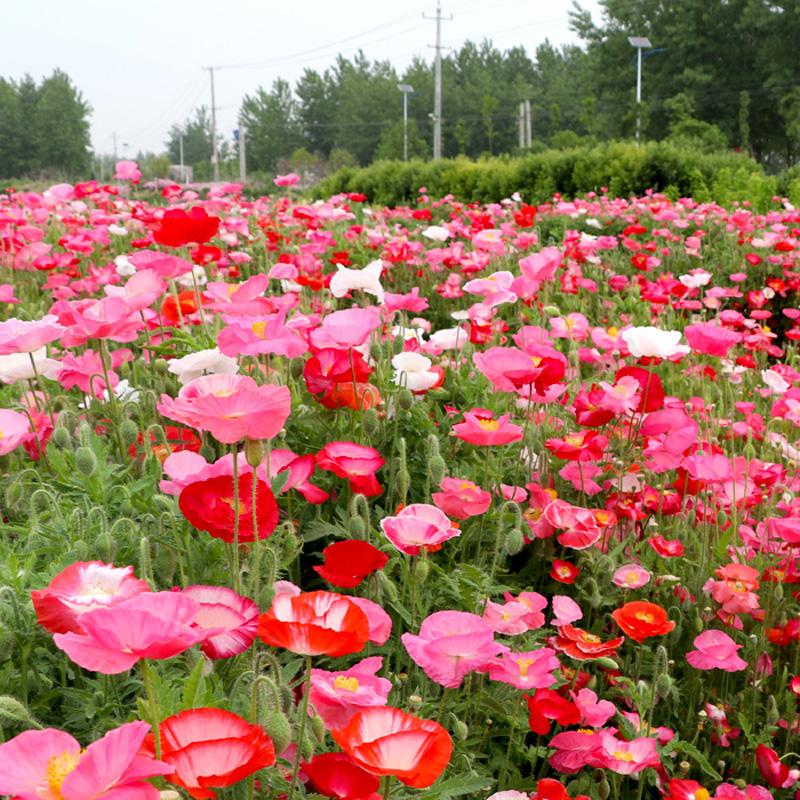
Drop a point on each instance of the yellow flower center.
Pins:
(258, 329)
(623, 755)
(631, 576)
(701, 794)
(229, 501)
(536, 360)
(737, 586)
(574, 439)
(524, 663)
(612, 331)
(590, 637)
(645, 617)
(223, 392)
(466, 485)
(489, 424)
(58, 767)
(348, 684)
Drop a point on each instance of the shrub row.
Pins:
(620, 167)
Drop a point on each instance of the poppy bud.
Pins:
(370, 422)
(574, 358)
(422, 570)
(318, 728)
(551, 311)
(514, 541)
(414, 703)
(398, 344)
(80, 551)
(14, 493)
(461, 730)
(604, 789)
(105, 546)
(161, 366)
(86, 461)
(376, 351)
(61, 438)
(358, 530)
(129, 431)
(164, 564)
(296, 368)
(722, 518)
(405, 399)
(253, 452)
(279, 730)
(663, 685)
(208, 452)
(14, 714)
(437, 469)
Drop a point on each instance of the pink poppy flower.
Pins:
(230, 407)
(251, 336)
(566, 611)
(348, 328)
(418, 526)
(573, 749)
(355, 462)
(530, 670)
(461, 499)
(624, 758)
(108, 318)
(81, 587)
(127, 171)
(300, 469)
(711, 339)
(86, 372)
(516, 615)
(716, 650)
(14, 430)
(222, 609)
(152, 625)
(48, 764)
(163, 264)
(450, 644)
(479, 427)
(20, 336)
(141, 290)
(286, 180)
(593, 712)
(338, 696)
(631, 576)
(378, 621)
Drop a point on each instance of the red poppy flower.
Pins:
(641, 620)
(315, 623)
(548, 705)
(774, 772)
(356, 463)
(582, 645)
(177, 228)
(208, 505)
(176, 309)
(581, 446)
(210, 748)
(337, 775)
(387, 741)
(347, 563)
(177, 439)
(651, 392)
(564, 572)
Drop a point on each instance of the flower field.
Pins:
(338, 500)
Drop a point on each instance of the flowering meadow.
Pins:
(337, 500)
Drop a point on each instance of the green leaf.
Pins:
(690, 750)
(457, 786)
(193, 688)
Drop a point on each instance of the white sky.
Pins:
(139, 63)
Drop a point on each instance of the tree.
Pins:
(392, 142)
(63, 126)
(12, 143)
(273, 129)
(197, 141)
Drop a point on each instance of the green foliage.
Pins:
(620, 167)
(44, 129)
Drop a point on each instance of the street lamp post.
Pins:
(639, 42)
(406, 89)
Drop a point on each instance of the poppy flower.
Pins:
(356, 463)
(151, 625)
(716, 650)
(348, 562)
(315, 623)
(582, 645)
(547, 705)
(418, 527)
(481, 428)
(50, 764)
(581, 446)
(209, 506)
(642, 620)
(774, 772)
(337, 775)
(211, 748)
(387, 741)
(461, 499)
(233, 618)
(177, 228)
(81, 587)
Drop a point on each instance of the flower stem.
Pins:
(235, 549)
(386, 780)
(301, 732)
(151, 697)
(502, 782)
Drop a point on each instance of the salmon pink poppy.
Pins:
(14, 430)
(529, 670)
(315, 623)
(580, 446)
(452, 643)
(209, 506)
(230, 407)
(81, 587)
(417, 527)
(387, 741)
(154, 625)
(338, 696)
(233, 618)
(461, 499)
(210, 748)
(49, 764)
(582, 645)
(337, 775)
(642, 620)
(348, 562)
(624, 758)
(26, 336)
(177, 228)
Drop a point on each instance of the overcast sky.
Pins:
(140, 64)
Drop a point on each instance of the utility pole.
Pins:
(183, 172)
(115, 145)
(214, 156)
(528, 131)
(437, 96)
(521, 125)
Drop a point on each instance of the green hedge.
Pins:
(621, 167)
